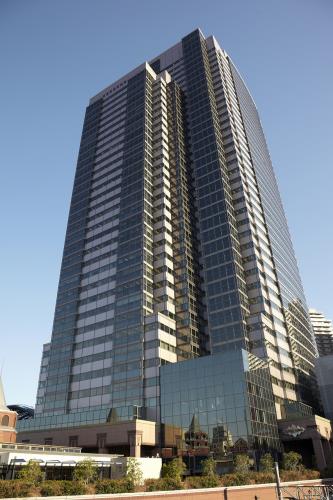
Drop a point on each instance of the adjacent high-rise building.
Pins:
(324, 372)
(323, 332)
(177, 245)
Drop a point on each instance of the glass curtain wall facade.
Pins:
(253, 292)
(177, 245)
(129, 297)
(228, 409)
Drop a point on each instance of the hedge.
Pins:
(15, 488)
(18, 488)
(163, 484)
(113, 486)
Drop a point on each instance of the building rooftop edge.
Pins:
(122, 80)
(144, 65)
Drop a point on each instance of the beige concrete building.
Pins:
(133, 438)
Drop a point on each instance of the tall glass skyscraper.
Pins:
(177, 244)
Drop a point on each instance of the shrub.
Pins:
(292, 461)
(113, 486)
(73, 488)
(235, 479)
(154, 485)
(298, 475)
(15, 488)
(78, 488)
(31, 473)
(174, 469)
(210, 481)
(4, 489)
(241, 464)
(85, 471)
(172, 483)
(195, 482)
(310, 474)
(290, 475)
(263, 477)
(51, 488)
(164, 484)
(266, 463)
(66, 487)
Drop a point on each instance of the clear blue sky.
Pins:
(55, 54)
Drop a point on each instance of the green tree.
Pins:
(241, 464)
(31, 473)
(209, 478)
(292, 461)
(174, 469)
(209, 467)
(85, 471)
(266, 463)
(134, 472)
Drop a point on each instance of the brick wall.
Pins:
(7, 426)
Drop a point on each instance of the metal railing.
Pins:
(300, 492)
(38, 447)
